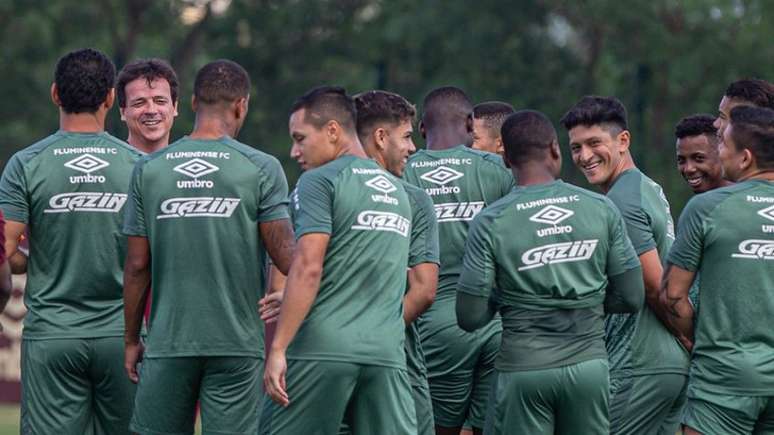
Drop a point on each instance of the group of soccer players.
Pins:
(397, 291)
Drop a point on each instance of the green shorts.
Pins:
(75, 386)
(647, 404)
(324, 394)
(423, 405)
(460, 365)
(563, 400)
(711, 413)
(228, 389)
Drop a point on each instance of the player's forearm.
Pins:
(279, 239)
(302, 287)
(18, 262)
(136, 284)
(423, 283)
(675, 308)
(6, 285)
(16, 258)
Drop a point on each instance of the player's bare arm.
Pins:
(423, 282)
(277, 236)
(675, 306)
(269, 305)
(302, 287)
(15, 258)
(137, 278)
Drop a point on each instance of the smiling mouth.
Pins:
(694, 181)
(591, 166)
(151, 122)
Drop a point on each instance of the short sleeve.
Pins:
(424, 231)
(134, 212)
(273, 202)
(312, 203)
(621, 255)
(637, 222)
(13, 192)
(689, 243)
(478, 263)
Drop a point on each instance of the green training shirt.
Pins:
(639, 344)
(199, 203)
(550, 281)
(70, 190)
(424, 249)
(461, 181)
(727, 235)
(357, 316)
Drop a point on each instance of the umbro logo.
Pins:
(87, 163)
(442, 175)
(767, 212)
(551, 215)
(196, 168)
(382, 184)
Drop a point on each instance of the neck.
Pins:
(147, 147)
(372, 152)
(350, 146)
(443, 140)
(625, 164)
(533, 173)
(758, 174)
(82, 122)
(212, 127)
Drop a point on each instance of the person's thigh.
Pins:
(113, 391)
(56, 390)
(483, 373)
(165, 402)
(721, 414)
(423, 406)
(230, 395)
(382, 403)
(523, 402)
(582, 405)
(646, 404)
(319, 392)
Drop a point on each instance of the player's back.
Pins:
(734, 344)
(551, 280)
(461, 182)
(70, 190)
(200, 205)
(357, 314)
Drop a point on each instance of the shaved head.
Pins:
(446, 107)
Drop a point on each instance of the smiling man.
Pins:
(697, 153)
(648, 367)
(744, 92)
(147, 98)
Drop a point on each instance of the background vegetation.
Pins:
(663, 58)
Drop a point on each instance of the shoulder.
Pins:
(627, 189)
(264, 161)
(487, 160)
(705, 203)
(417, 196)
(28, 153)
(121, 145)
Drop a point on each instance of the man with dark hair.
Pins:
(745, 92)
(461, 181)
(726, 236)
(204, 197)
(648, 367)
(697, 153)
(147, 92)
(551, 369)
(488, 117)
(69, 191)
(337, 354)
(384, 125)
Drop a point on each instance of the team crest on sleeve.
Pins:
(554, 253)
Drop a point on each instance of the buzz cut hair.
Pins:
(607, 112)
(444, 106)
(753, 91)
(527, 135)
(150, 70)
(327, 103)
(221, 81)
(753, 129)
(697, 125)
(377, 107)
(493, 114)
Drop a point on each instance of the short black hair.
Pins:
(596, 110)
(221, 81)
(493, 114)
(527, 134)
(696, 125)
(326, 103)
(148, 69)
(754, 91)
(83, 80)
(753, 129)
(381, 107)
(447, 105)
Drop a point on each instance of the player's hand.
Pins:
(269, 306)
(133, 355)
(686, 343)
(274, 377)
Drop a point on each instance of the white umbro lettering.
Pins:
(458, 211)
(87, 164)
(756, 249)
(558, 253)
(371, 220)
(442, 175)
(198, 207)
(105, 202)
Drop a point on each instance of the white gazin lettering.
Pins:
(198, 207)
(458, 211)
(558, 253)
(104, 202)
(756, 249)
(371, 220)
